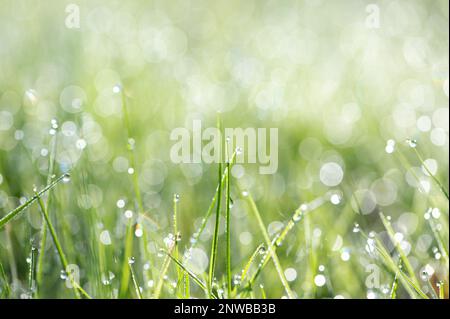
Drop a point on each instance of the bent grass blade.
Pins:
(20, 209)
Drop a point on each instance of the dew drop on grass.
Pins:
(176, 197)
(356, 228)
(120, 203)
(321, 267)
(63, 275)
(66, 178)
(131, 143)
(335, 199)
(424, 275)
(411, 143)
(128, 213)
(117, 88)
(138, 232)
(54, 123)
(105, 237)
(390, 146)
(130, 170)
(436, 213)
(131, 260)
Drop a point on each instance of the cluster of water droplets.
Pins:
(53, 127)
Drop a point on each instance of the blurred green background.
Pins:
(337, 86)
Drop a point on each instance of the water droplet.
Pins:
(120, 203)
(117, 88)
(244, 193)
(335, 199)
(356, 228)
(63, 275)
(66, 178)
(238, 150)
(411, 143)
(390, 146)
(321, 267)
(424, 275)
(128, 213)
(262, 250)
(131, 143)
(436, 213)
(130, 170)
(138, 231)
(176, 197)
(131, 260)
(54, 123)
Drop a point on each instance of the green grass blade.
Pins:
(32, 272)
(6, 286)
(134, 280)
(197, 280)
(250, 262)
(57, 243)
(228, 231)
(271, 250)
(19, 209)
(214, 244)
(404, 258)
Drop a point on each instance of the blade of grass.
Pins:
(214, 244)
(405, 260)
(163, 272)
(393, 293)
(7, 288)
(19, 209)
(134, 280)
(32, 272)
(271, 250)
(250, 262)
(56, 242)
(43, 233)
(441, 288)
(228, 225)
(197, 280)
(413, 290)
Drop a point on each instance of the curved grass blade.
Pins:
(19, 209)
